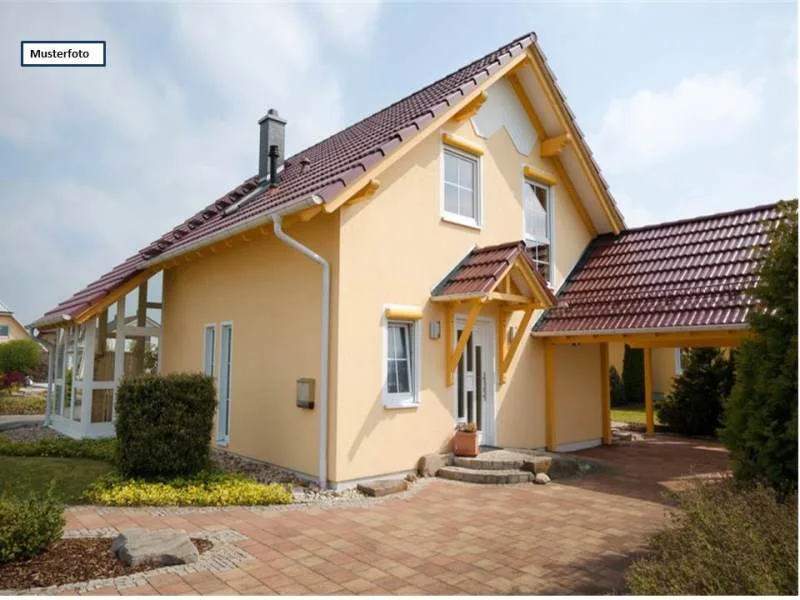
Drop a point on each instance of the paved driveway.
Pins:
(447, 538)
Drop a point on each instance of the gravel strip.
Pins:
(31, 433)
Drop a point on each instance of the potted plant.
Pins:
(465, 441)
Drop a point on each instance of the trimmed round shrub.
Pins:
(19, 355)
(28, 526)
(164, 424)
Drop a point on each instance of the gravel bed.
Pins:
(31, 433)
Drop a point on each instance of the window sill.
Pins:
(222, 443)
(401, 405)
(456, 220)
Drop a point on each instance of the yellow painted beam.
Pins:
(448, 339)
(648, 391)
(462, 144)
(668, 339)
(472, 108)
(472, 316)
(550, 397)
(366, 192)
(554, 145)
(539, 175)
(515, 343)
(605, 393)
(502, 328)
(540, 132)
(505, 297)
(115, 295)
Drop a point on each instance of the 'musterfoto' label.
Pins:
(63, 54)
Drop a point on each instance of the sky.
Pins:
(690, 108)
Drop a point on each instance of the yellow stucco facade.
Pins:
(392, 249)
(664, 366)
(15, 330)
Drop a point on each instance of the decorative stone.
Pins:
(537, 464)
(159, 548)
(411, 477)
(430, 464)
(382, 488)
(541, 478)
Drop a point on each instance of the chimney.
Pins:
(272, 134)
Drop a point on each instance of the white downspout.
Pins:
(323, 367)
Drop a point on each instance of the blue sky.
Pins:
(690, 108)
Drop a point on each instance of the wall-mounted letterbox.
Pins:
(305, 392)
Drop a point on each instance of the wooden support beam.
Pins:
(515, 343)
(115, 295)
(648, 391)
(554, 145)
(506, 297)
(605, 394)
(669, 339)
(502, 328)
(550, 397)
(448, 339)
(364, 193)
(461, 343)
(472, 108)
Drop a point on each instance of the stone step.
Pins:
(490, 463)
(485, 475)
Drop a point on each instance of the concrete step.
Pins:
(496, 460)
(491, 476)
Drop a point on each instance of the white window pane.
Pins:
(391, 377)
(450, 198)
(466, 203)
(400, 343)
(403, 386)
(450, 168)
(466, 173)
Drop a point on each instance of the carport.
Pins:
(682, 284)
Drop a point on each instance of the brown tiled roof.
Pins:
(685, 274)
(481, 270)
(333, 164)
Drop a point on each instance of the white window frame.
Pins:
(411, 398)
(551, 229)
(210, 369)
(223, 437)
(477, 222)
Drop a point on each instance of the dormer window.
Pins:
(538, 226)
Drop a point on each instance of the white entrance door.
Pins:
(475, 379)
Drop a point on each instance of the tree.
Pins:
(760, 425)
(694, 406)
(19, 356)
(633, 375)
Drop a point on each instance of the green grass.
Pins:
(15, 405)
(632, 413)
(19, 475)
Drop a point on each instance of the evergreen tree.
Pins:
(633, 375)
(760, 426)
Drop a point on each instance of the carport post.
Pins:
(648, 390)
(605, 393)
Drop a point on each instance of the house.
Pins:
(454, 257)
(10, 328)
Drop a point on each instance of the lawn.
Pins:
(22, 474)
(18, 405)
(631, 413)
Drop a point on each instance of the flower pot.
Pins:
(465, 444)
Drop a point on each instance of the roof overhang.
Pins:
(678, 337)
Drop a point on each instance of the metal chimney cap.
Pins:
(272, 115)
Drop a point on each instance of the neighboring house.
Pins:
(666, 366)
(359, 300)
(10, 328)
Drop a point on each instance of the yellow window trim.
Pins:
(540, 176)
(403, 312)
(462, 144)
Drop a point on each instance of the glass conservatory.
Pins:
(87, 360)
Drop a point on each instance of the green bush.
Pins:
(28, 526)
(760, 425)
(617, 388)
(31, 405)
(204, 489)
(694, 406)
(722, 541)
(633, 375)
(101, 449)
(22, 356)
(164, 424)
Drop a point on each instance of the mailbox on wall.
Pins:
(305, 392)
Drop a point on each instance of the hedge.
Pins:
(164, 424)
(204, 489)
(28, 526)
(99, 449)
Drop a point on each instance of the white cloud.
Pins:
(149, 147)
(652, 126)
